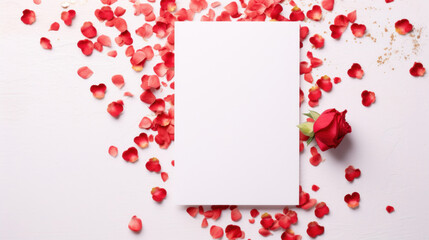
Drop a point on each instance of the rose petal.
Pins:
(68, 17)
(98, 91)
(28, 16)
(54, 26)
(314, 229)
(368, 98)
(352, 173)
(403, 26)
(113, 151)
(142, 140)
(417, 70)
(115, 108)
(135, 224)
(88, 30)
(356, 71)
(84, 72)
(45, 43)
(352, 200)
(358, 29)
(216, 232)
(130, 155)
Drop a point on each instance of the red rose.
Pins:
(330, 129)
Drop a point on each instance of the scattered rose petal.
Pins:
(54, 26)
(417, 70)
(147, 97)
(314, 229)
(158, 194)
(352, 16)
(86, 46)
(358, 29)
(84, 72)
(352, 173)
(233, 232)
(316, 158)
(403, 26)
(28, 16)
(216, 232)
(352, 200)
(115, 108)
(337, 80)
(88, 30)
(192, 211)
(328, 4)
(235, 215)
(315, 13)
(45, 43)
(68, 17)
(325, 83)
(321, 210)
(355, 71)
(112, 53)
(98, 91)
(130, 155)
(118, 81)
(368, 98)
(104, 40)
(315, 188)
(153, 165)
(135, 224)
(113, 151)
(164, 176)
(317, 41)
(390, 209)
(142, 140)
(254, 213)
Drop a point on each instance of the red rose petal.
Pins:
(28, 16)
(45, 43)
(315, 188)
(113, 151)
(264, 232)
(54, 26)
(328, 4)
(164, 176)
(352, 200)
(158, 194)
(84, 72)
(315, 13)
(355, 71)
(197, 5)
(118, 81)
(389, 1)
(145, 123)
(311, 202)
(130, 155)
(233, 232)
(321, 210)
(325, 83)
(266, 221)
(150, 82)
(403, 26)
(368, 98)
(112, 53)
(145, 31)
(88, 30)
(216, 232)
(316, 159)
(296, 14)
(254, 213)
(135, 224)
(120, 24)
(304, 68)
(158, 106)
(337, 31)
(308, 77)
(314, 229)
(337, 80)
(317, 41)
(153, 165)
(358, 29)
(192, 211)
(98, 91)
(142, 140)
(115, 108)
(68, 17)
(352, 173)
(417, 70)
(104, 40)
(204, 223)
(119, 11)
(232, 9)
(124, 38)
(86, 46)
(235, 215)
(390, 209)
(314, 95)
(147, 97)
(37, 2)
(352, 16)
(303, 32)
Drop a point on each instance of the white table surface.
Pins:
(57, 180)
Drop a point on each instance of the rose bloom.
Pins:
(330, 129)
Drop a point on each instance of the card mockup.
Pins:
(236, 112)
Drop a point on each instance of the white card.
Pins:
(236, 111)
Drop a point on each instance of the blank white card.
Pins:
(236, 111)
